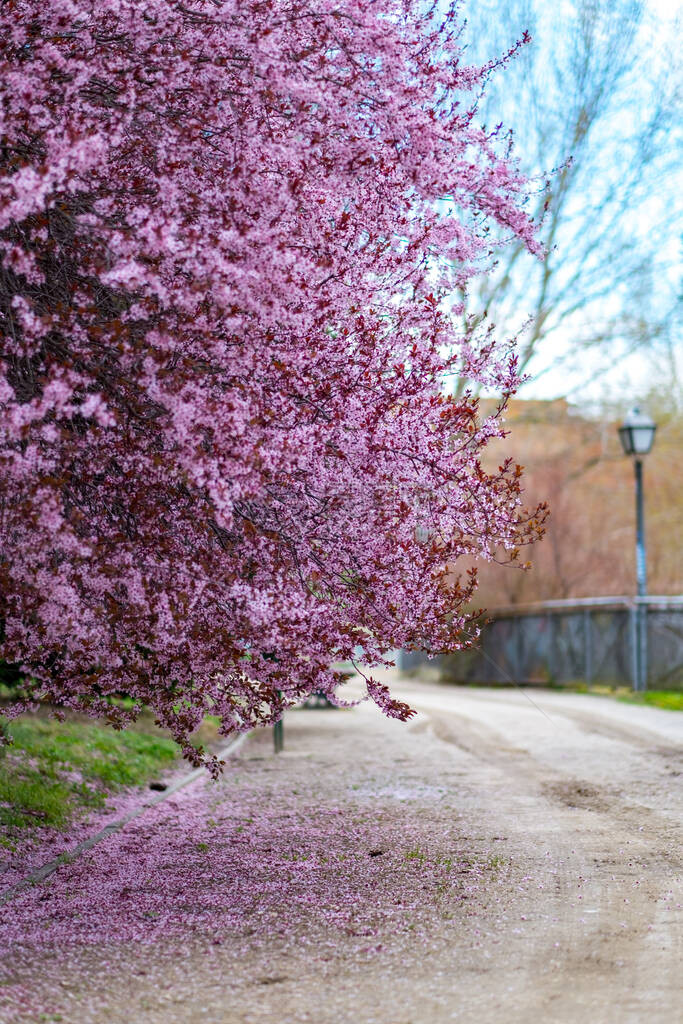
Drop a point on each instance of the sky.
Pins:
(665, 9)
(617, 374)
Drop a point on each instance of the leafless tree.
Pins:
(596, 98)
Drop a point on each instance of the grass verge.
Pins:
(54, 771)
(671, 700)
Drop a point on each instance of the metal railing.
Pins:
(586, 640)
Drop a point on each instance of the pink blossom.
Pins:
(225, 325)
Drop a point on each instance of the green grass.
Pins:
(671, 700)
(55, 770)
(417, 854)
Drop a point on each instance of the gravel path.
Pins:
(492, 861)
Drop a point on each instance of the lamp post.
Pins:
(636, 434)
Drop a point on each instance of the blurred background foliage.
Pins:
(573, 459)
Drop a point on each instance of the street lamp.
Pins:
(636, 434)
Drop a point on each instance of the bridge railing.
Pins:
(587, 640)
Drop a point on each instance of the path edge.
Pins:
(41, 873)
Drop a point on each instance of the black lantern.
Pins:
(637, 433)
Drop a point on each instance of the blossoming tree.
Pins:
(229, 231)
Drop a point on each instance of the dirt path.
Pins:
(493, 861)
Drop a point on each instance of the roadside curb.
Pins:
(41, 873)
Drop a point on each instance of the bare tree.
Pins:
(595, 97)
